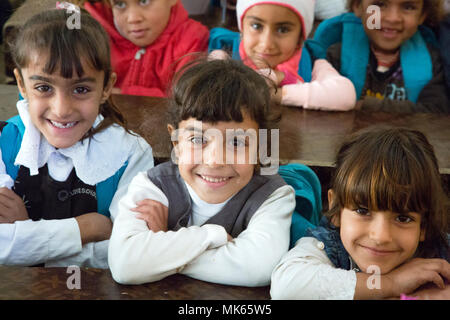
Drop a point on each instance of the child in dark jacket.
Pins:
(390, 56)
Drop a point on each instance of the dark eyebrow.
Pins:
(278, 23)
(49, 80)
(194, 129)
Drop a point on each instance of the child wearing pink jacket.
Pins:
(272, 34)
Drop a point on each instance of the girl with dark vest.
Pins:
(386, 231)
(68, 154)
(212, 213)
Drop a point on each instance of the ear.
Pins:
(171, 130)
(357, 8)
(423, 17)
(330, 198)
(20, 83)
(107, 90)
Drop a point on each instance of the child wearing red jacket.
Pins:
(149, 40)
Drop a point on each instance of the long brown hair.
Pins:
(393, 169)
(47, 32)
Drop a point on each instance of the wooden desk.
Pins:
(308, 137)
(24, 283)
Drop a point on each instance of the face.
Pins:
(399, 22)
(271, 34)
(216, 166)
(141, 21)
(381, 238)
(63, 110)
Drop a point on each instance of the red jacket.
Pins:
(150, 73)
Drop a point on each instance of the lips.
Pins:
(139, 33)
(389, 33)
(63, 125)
(378, 251)
(214, 179)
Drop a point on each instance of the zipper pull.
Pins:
(139, 54)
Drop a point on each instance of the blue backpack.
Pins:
(220, 38)
(308, 200)
(10, 142)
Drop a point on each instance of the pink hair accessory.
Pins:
(405, 297)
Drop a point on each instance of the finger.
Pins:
(8, 193)
(4, 209)
(437, 280)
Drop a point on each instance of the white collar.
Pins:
(94, 160)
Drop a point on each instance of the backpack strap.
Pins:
(106, 190)
(308, 201)
(10, 142)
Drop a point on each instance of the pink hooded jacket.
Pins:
(148, 71)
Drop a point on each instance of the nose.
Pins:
(392, 14)
(61, 106)
(134, 14)
(380, 230)
(213, 154)
(267, 41)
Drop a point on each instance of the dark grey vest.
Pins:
(234, 216)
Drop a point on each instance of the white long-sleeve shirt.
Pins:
(58, 242)
(138, 255)
(306, 272)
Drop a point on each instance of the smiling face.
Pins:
(202, 149)
(63, 110)
(141, 21)
(271, 34)
(399, 22)
(381, 238)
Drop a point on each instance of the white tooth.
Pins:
(62, 126)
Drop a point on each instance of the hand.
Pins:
(417, 272)
(116, 91)
(431, 292)
(218, 55)
(229, 238)
(154, 213)
(94, 227)
(12, 208)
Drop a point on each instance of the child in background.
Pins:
(384, 217)
(149, 39)
(68, 153)
(271, 41)
(210, 218)
(395, 65)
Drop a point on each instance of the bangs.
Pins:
(207, 93)
(386, 176)
(65, 49)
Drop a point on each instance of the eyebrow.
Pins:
(278, 23)
(50, 80)
(194, 129)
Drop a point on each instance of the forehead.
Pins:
(193, 124)
(37, 62)
(272, 13)
(394, 2)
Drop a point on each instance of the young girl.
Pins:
(271, 41)
(213, 216)
(385, 232)
(388, 53)
(149, 39)
(67, 158)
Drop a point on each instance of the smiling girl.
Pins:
(68, 151)
(395, 65)
(272, 34)
(388, 215)
(209, 217)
